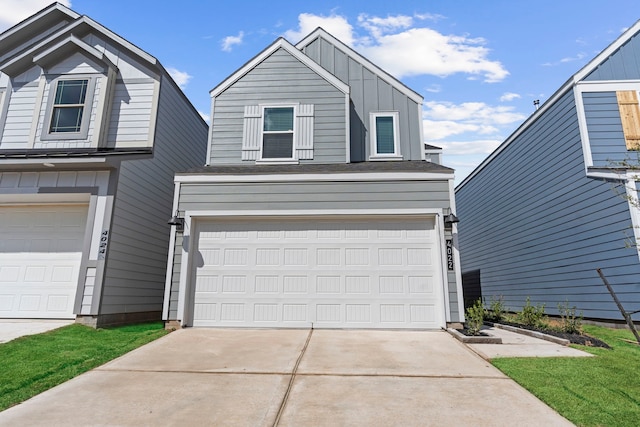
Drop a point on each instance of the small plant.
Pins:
(532, 315)
(497, 311)
(569, 322)
(475, 317)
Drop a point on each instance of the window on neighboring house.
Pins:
(384, 135)
(277, 133)
(68, 109)
(630, 117)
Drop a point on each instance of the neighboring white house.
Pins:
(92, 129)
(548, 208)
(316, 207)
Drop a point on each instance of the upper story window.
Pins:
(277, 133)
(384, 136)
(69, 108)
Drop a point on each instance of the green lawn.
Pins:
(35, 363)
(592, 391)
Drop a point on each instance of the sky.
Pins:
(479, 64)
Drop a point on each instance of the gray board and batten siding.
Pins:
(313, 196)
(138, 247)
(280, 78)
(370, 92)
(532, 223)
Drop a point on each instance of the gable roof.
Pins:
(68, 27)
(571, 82)
(320, 32)
(280, 43)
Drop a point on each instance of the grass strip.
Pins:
(35, 363)
(589, 391)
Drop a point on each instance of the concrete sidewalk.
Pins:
(11, 329)
(290, 378)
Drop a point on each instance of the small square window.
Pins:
(277, 133)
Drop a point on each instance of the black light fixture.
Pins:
(450, 219)
(177, 221)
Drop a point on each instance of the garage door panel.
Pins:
(326, 273)
(40, 254)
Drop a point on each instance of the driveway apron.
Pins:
(268, 377)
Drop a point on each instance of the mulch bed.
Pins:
(580, 339)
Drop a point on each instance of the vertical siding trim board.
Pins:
(585, 87)
(634, 210)
(170, 256)
(456, 254)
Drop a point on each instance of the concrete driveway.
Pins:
(245, 377)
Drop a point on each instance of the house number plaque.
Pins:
(450, 254)
(102, 249)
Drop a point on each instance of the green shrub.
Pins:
(569, 322)
(475, 317)
(532, 315)
(497, 310)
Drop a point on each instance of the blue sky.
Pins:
(478, 64)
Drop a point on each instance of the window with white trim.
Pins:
(384, 135)
(69, 108)
(277, 133)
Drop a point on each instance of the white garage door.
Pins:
(330, 274)
(40, 251)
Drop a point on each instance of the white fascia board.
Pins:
(575, 79)
(399, 176)
(280, 43)
(55, 6)
(364, 61)
(312, 212)
(51, 55)
(523, 127)
(608, 51)
(116, 39)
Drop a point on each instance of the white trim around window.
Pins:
(274, 129)
(84, 105)
(389, 148)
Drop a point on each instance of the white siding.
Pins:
(17, 125)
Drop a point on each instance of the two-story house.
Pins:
(558, 199)
(92, 129)
(317, 206)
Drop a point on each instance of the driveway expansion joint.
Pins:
(285, 398)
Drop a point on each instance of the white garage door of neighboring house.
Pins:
(40, 252)
(342, 273)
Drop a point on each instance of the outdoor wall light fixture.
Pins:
(177, 221)
(450, 219)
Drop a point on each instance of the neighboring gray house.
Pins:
(316, 207)
(541, 214)
(92, 130)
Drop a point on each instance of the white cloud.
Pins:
(419, 51)
(14, 11)
(472, 112)
(509, 96)
(181, 77)
(230, 41)
(435, 131)
(398, 47)
(336, 25)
